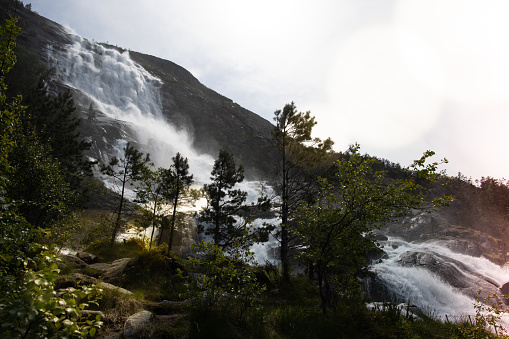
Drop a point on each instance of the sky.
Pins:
(398, 77)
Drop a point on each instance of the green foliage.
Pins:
(481, 205)
(9, 111)
(64, 231)
(99, 231)
(37, 182)
(335, 229)
(126, 170)
(56, 122)
(107, 253)
(29, 305)
(224, 202)
(488, 313)
(302, 159)
(225, 280)
(8, 35)
(32, 308)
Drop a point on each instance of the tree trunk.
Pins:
(321, 290)
(284, 253)
(172, 228)
(285, 237)
(153, 225)
(119, 214)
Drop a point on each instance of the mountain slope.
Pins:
(211, 120)
(214, 120)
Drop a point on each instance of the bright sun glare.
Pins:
(394, 79)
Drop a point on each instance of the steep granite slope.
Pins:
(212, 120)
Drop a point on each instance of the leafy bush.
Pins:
(488, 312)
(154, 273)
(224, 277)
(32, 308)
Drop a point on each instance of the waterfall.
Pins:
(125, 93)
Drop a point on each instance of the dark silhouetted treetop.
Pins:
(224, 202)
(301, 160)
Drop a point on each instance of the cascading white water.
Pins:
(124, 91)
(427, 290)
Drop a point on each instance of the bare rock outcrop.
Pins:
(138, 325)
(112, 272)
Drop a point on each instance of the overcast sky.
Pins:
(397, 77)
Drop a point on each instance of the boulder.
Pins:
(112, 272)
(100, 266)
(445, 268)
(504, 289)
(116, 269)
(494, 258)
(89, 258)
(375, 289)
(464, 246)
(74, 280)
(138, 325)
(375, 255)
(416, 226)
(379, 236)
(108, 286)
(74, 261)
(166, 307)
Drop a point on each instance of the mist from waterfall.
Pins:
(124, 91)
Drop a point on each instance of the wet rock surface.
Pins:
(445, 268)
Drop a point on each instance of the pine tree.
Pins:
(302, 159)
(150, 191)
(224, 202)
(126, 170)
(176, 181)
(56, 122)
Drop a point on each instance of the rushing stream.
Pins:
(434, 278)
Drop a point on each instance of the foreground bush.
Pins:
(31, 308)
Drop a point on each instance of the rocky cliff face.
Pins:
(209, 120)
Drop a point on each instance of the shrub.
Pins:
(108, 253)
(33, 308)
(224, 277)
